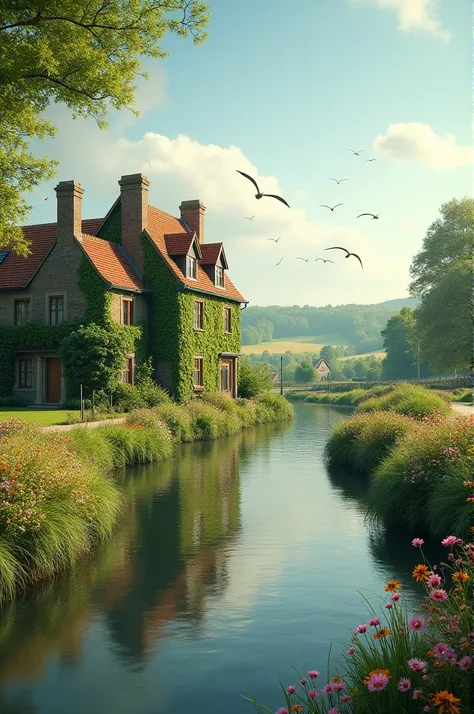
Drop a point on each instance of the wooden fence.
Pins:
(449, 383)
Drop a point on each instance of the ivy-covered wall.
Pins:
(112, 228)
(173, 340)
(98, 297)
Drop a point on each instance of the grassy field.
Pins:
(379, 355)
(298, 345)
(45, 417)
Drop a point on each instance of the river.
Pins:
(233, 563)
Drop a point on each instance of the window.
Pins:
(128, 376)
(25, 373)
(22, 312)
(227, 319)
(198, 310)
(56, 309)
(127, 311)
(225, 377)
(191, 267)
(198, 363)
(220, 277)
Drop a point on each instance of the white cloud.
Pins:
(413, 15)
(418, 143)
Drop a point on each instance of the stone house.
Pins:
(136, 266)
(322, 368)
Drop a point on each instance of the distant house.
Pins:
(322, 368)
(137, 266)
(275, 376)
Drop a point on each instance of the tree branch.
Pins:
(61, 83)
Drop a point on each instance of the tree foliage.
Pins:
(445, 320)
(305, 372)
(399, 341)
(253, 380)
(85, 55)
(449, 239)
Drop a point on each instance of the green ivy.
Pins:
(173, 338)
(98, 298)
(112, 228)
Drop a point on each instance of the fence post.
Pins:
(93, 400)
(82, 404)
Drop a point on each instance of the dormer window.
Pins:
(220, 277)
(191, 267)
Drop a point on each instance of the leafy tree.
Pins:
(94, 357)
(305, 372)
(329, 354)
(399, 341)
(86, 55)
(445, 320)
(449, 239)
(253, 380)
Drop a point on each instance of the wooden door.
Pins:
(53, 380)
(227, 377)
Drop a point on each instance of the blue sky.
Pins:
(283, 94)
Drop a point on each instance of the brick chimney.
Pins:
(134, 200)
(69, 210)
(193, 213)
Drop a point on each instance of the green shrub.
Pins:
(253, 381)
(10, 402)
(126, 398)
(278, 408)
(412, 400)
(463, 395)
(151, 393)
(177, 419)
(410, 485)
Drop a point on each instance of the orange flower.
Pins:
(296, 708)
(461, 577)
(421, 573)
(446, 702)
(336, 678)
(383, 632)
(386, 672)
(392, 585)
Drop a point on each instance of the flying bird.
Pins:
(249, 218)
(324, 261)
(306, 260)
(356, 153)
(375, 216)
(369, 160)
(148, 163)
(340, 180)
(259, 194)
(46, 198)
(275, 239)
(278, 262)
(337, 247)
(323, 205)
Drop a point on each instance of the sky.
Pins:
(283, 91)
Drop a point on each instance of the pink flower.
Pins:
(345, 699)
(416, 623)
(404, 684)
(417, 694)
(465, 663)
(433, 581)
(291, 689)
(362, 628)
(303, 682)
(417, 665)
(395, 597)
(313, 693)
(441, 650)
(427, 708)
(340, 686)
(471, 635)
(377, 682)
(333, 710)
(450, 541)
(426, 677)
(417, 542)
(350, 650)
(327, 689)
(438, 595)
(451, 656)
(313, 673)
(389, 605)
(373, 622)
(281, 710)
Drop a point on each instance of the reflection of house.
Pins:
(137, 265)
(322, 368)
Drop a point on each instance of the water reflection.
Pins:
(231, 562)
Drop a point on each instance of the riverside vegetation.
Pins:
(58, 495)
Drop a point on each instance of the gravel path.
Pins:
(463, 408)
(83, 424)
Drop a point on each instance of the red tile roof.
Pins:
(211, 252)
(178, 244)
(109, 262)
(161, 224)
(17, 271)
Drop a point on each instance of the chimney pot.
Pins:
(192, 212)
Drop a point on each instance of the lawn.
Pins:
(45, 417)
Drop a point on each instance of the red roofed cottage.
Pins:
(156, 271)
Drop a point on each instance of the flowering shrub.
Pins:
(397, 663)
(409, 399)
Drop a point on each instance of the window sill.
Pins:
(198, 388)
(198, 329)
(228, 332)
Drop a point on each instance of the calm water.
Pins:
(234, 562)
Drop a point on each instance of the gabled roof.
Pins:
(110, 263)
(319, 362)
(17, 271)
(162, 224)
(179, 244)
(211, 253)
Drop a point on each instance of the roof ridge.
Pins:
(99, 240)
(55, 223)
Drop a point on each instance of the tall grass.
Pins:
(409, 399)
(58, 500)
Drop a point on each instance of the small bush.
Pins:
(151, 393)
(177, 419)
(278, 408)
(253, 381)
(409, 399)
(463, 395)
(10, 402)
(126, 398)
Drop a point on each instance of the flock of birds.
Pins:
(260, 194)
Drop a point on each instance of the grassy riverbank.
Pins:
(417, 463)
(58, 496)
